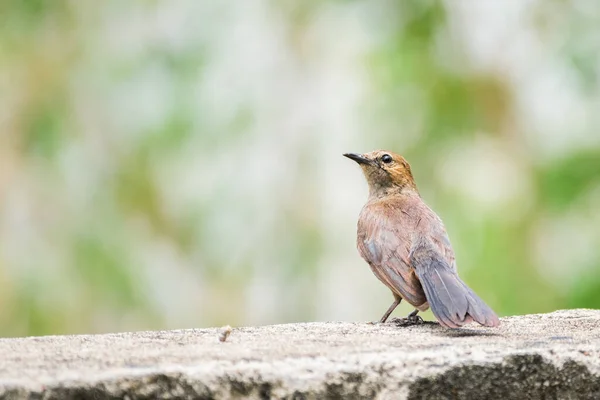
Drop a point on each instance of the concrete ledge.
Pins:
(551, 356)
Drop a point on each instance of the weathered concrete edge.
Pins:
(546, 372)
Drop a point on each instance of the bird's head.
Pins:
(387, 173)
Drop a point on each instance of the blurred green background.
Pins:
(171, 164)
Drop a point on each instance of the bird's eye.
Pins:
(386, 158)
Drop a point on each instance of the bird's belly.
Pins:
(405, 285)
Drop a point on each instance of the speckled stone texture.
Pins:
(545, 356)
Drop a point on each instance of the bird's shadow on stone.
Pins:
(462, 332)
(448, 332)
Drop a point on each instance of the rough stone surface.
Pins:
(547, 356)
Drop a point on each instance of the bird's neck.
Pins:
(377, 192)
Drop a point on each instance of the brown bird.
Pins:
(407, 246)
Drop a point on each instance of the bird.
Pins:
(407, 247)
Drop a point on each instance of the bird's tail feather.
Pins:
(452, 302)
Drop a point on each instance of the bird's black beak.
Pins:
(359, 158)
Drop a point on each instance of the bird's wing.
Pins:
(437, 235)
(452, 302)
(385, 245)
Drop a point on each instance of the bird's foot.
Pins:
(416, 319)
(408, 321)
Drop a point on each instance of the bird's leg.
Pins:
(397, 301)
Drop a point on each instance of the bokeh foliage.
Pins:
(171, 164)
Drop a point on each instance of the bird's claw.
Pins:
(416, 319)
